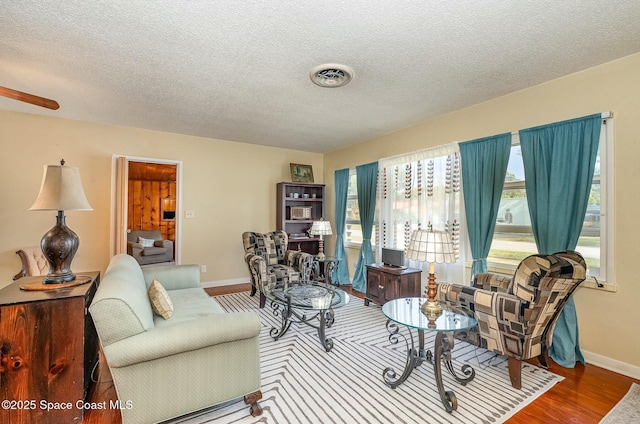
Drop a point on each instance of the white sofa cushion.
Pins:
(160, 301)
(189, 304)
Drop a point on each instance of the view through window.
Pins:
(513, 238)
(353, 230)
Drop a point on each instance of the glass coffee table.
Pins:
(407, 312)
(310, 304)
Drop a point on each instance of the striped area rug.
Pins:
(301, 383)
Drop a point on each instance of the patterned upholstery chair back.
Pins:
(544, 284)
(281, 241)
(546, 277)
(574, 256)
(271, 246)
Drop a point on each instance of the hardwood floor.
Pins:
(585, 395)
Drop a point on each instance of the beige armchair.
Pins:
(33, 262)
(158, 250)
(516, 316)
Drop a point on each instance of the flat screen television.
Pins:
(393, 257)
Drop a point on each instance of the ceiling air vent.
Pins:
(331, 75)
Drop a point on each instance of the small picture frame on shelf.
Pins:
(301, 173)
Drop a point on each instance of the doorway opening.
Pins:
(147, 197)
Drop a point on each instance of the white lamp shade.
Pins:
(61, 190)
(321, 228)
(431, 246)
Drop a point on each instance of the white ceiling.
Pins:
(238, 70)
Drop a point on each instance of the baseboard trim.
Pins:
(612, 364)
(220, 283)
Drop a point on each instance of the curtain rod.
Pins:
(453, 144)
(603, 115)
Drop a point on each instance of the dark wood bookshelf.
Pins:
(292, 200)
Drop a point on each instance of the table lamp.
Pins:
(433, 247)
(61, 190)
(321, 228)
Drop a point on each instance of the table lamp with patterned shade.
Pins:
(321, 228)
(433, 247)
(61, 190)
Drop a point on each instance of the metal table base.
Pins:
(289, 314)
(415, 357)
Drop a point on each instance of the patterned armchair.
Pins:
(516, 316)
(270, 262)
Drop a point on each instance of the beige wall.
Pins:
(230, 186)
(608, 321)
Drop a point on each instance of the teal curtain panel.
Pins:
(484, 166)
(341, 180)
(559, 161)
(367, 176)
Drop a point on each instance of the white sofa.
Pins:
(163, 369)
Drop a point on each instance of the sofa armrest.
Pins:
(134, 249)
(174, 277)
(184, 336)
(167, 244)
(492, 282)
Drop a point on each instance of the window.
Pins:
(353, 230)
(422, 189)
(513, 238)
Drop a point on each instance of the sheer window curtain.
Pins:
(419, 190)
(367, 176)
(559, 160)
(484, 166)
(341, 179)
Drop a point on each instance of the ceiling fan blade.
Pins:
(29, 98)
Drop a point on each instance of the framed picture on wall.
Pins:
(301, 173)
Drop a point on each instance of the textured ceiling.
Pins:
(238, 70)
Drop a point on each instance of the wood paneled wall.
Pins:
(145, 212)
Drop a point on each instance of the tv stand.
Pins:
(385, 283)
(393, 267)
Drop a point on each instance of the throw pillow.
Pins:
(160, 301)
(145, 242)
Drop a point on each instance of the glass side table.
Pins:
(322, 269)
(407, 312)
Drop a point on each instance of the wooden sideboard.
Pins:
(49, 347)
(386, 283)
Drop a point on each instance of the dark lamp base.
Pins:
(58, 278)
(59, 246)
